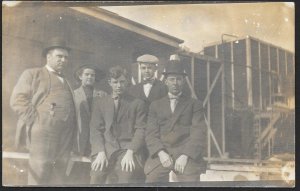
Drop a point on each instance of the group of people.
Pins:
(135, 134)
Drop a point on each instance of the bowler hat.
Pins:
(55, 42)
(99, 74)
(147, 58)
(174, 67)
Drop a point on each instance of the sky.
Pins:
(201, 24)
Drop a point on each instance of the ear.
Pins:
(166, 81)
(184, 79)
(48, 56)
(80, 77)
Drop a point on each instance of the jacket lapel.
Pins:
(84, 100)
(165, 107)
(181, 105)
(123, 107)
(153, 90)
(109, 111)
(141, 91)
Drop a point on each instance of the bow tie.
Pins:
(173, 97)
(151, 81)
(115, 97)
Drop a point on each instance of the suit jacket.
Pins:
(181, 132)
(30, 91)
(83, 119)
(158, 90)
(131, 119)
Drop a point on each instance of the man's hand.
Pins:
(181, 163)
(165, 159)
(99, 162)
(127, 162)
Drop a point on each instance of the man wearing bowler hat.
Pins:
(44, 102)
(150, 88)
(84, 96)
(176, 132)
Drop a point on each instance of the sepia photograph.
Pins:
(144, 94)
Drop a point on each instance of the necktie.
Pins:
(173, 103)
(116, 102)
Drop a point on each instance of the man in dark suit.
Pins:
(150, 88)
(44, 102)
(176, 132)
(84, 97)
(117, 133)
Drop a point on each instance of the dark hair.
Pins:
(80, 71)
(116, 72)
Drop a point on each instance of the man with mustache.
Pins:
(43, 100)
(176, 132)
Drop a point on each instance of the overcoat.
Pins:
(83, 112)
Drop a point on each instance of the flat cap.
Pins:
(147, 58)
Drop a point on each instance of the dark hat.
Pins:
(55, 42)
(174, 67)
(100, 74)
(147, 58)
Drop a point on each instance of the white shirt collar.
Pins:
(171, 95)
(51, 69)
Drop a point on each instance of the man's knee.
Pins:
(159, 174)
(98, 177)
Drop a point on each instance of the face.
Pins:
(147, 70)
(57, 59)
(118, 85)
(88, 77)
(175, 83)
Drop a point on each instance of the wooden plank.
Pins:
(25, 156)
(251, 161)
(212, 175)
(212, 85)
(245, 168)
(249, 72)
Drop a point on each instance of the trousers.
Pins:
(159, 173)
(113, 174)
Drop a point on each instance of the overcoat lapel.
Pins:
(84, 100)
